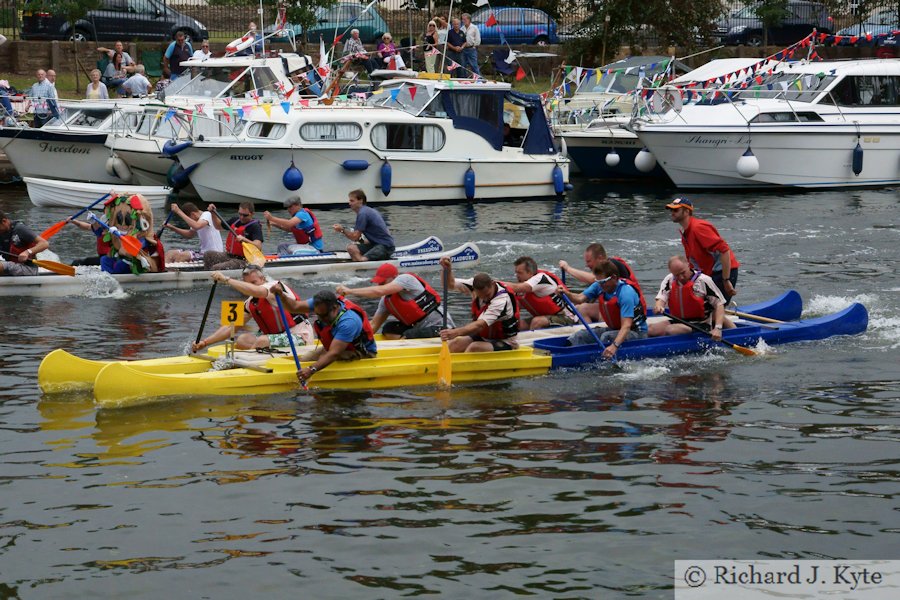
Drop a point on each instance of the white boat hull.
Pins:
(74, 194)
(145, 159)
(61, 156)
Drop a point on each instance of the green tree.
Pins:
(771, 12)
(73, 11)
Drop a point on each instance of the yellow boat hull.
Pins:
(121, 384)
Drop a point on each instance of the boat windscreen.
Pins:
(796, 87)
(266, 82)
(411, 98)
(88, 117)
(211, 82)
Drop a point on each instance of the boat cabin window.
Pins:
(271, 131)
(787, 117)
(483, 107)
(210, 82)
(266, 82)
(88, 117)
(407, 136)
(866, 90)
(331, 132)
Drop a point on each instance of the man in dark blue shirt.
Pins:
(378, 243)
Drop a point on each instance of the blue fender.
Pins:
(559, 184)
(180, 177)
(292, 178)
(857, 159)
(170, 148)
(386, 175)
(355, 165)
(469, 183)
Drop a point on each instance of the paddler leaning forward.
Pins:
(341, 325)
(261, 305)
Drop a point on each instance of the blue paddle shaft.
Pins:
(583, 322)
(93, 204)
(166, 222)
(287, 330)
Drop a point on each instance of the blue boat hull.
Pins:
(850, 321)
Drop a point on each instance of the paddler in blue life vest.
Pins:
(495, 314)
(247, 228)
(302, 224)
(341, 325)
(408, 298)
(621, 306)
(539, 292)
(262, 306)
(692, 296)
(594, 254)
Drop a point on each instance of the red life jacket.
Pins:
(267, 316)
(546, 305)
(366, 336)
(410, 312)
(158, 253)
(310, 233)
(232, 245)
(503, 328)
(684, 303)
(609, 309)
(631, 277)
(103, 248)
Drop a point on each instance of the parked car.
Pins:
(113, 20)
(745, 28)
(518, 26)
(882, 20)
(340, 19)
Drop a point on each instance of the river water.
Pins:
(580, 484)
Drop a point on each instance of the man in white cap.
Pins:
(408, 298)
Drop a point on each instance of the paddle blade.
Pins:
(445, 367)
(53, 230)
(744, 350)
(130, 244)
(253, 254)
(56, 267)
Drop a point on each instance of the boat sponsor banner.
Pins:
(767, 579)
(466, 256)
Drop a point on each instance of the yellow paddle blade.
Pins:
(445, 367)
(744, 350)
(253, 254)
(56, 267)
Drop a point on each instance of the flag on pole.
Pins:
(520, 74)
(323, 59)
(491, 21)
(481, 2)
(511, 58)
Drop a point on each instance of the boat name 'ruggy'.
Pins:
(715, 141)
(73, 149)
(246, 157)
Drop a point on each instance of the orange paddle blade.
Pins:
(56, 267)
(743, 350)
(53, 230)
(130, 244)
(445, 367)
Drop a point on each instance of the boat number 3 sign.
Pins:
(232, 313)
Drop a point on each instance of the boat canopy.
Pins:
(227, 82)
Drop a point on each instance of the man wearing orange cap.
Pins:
(705, 248)
(406, 297)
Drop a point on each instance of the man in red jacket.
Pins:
(705, 248)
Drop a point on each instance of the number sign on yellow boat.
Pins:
(232, 313)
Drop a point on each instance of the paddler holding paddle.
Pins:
(262, 306)
(594, 254)
(19, 244)
(690, 296)
(539, 292)
(621, 306)
(302, 224)
(242, 229)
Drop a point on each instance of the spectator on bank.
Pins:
(96, 89)
(137, 85)
(115, 74)
(178, 51)
(119, 48)
(43, 99)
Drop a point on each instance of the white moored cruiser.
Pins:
(805, 124)
(412, 141)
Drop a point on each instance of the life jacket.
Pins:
(13, 249)
(158, 253)
(103, 247)
(503, 328)
(232, 245)
(612, 316)
(366, 336)
(267, 316)
(410, 312)
(631, 277)
(684, 303)
(546, 305)
(310, 233)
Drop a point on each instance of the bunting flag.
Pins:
(198, 108)
(248, 109)
(433, 52)
(289, 93)
(394, 94)
(520, 74)
(304, 103)
(169, 114)
(361, 95)
(491, 21)
(240, 114)
(267, 108)
(189, 114)
(342, 97)
(453, 65)
(229, 114)
(392, 64)
(323, 69)
(412, 92)
(338, 39)
(286, 107)
(228, 101)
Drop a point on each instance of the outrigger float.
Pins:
(407, 363)
(422, 256)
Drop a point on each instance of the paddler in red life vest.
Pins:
(691, 296)
(262, 306)
(408, 298)
(303, 225)
(621, 305)
(705, 248)
(21, 245)
(593, 255)
(247, 228)
(342, 326)
(495, 315)
(539, 292)
(103, 246)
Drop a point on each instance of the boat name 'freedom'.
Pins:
(46, 147)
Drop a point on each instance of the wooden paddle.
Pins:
(287, 332)
(253, 254)
(209, 300)
(445, 361)
(752, 317)
(50, 265)
(56, 227)
(130, 244)
(742, 349)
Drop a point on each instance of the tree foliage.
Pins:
(72, 10)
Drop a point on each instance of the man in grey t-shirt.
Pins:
(414, 304)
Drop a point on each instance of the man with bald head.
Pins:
(691, 296)
(43, 99)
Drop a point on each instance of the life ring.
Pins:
(241, 43)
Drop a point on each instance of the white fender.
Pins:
(120, 169)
